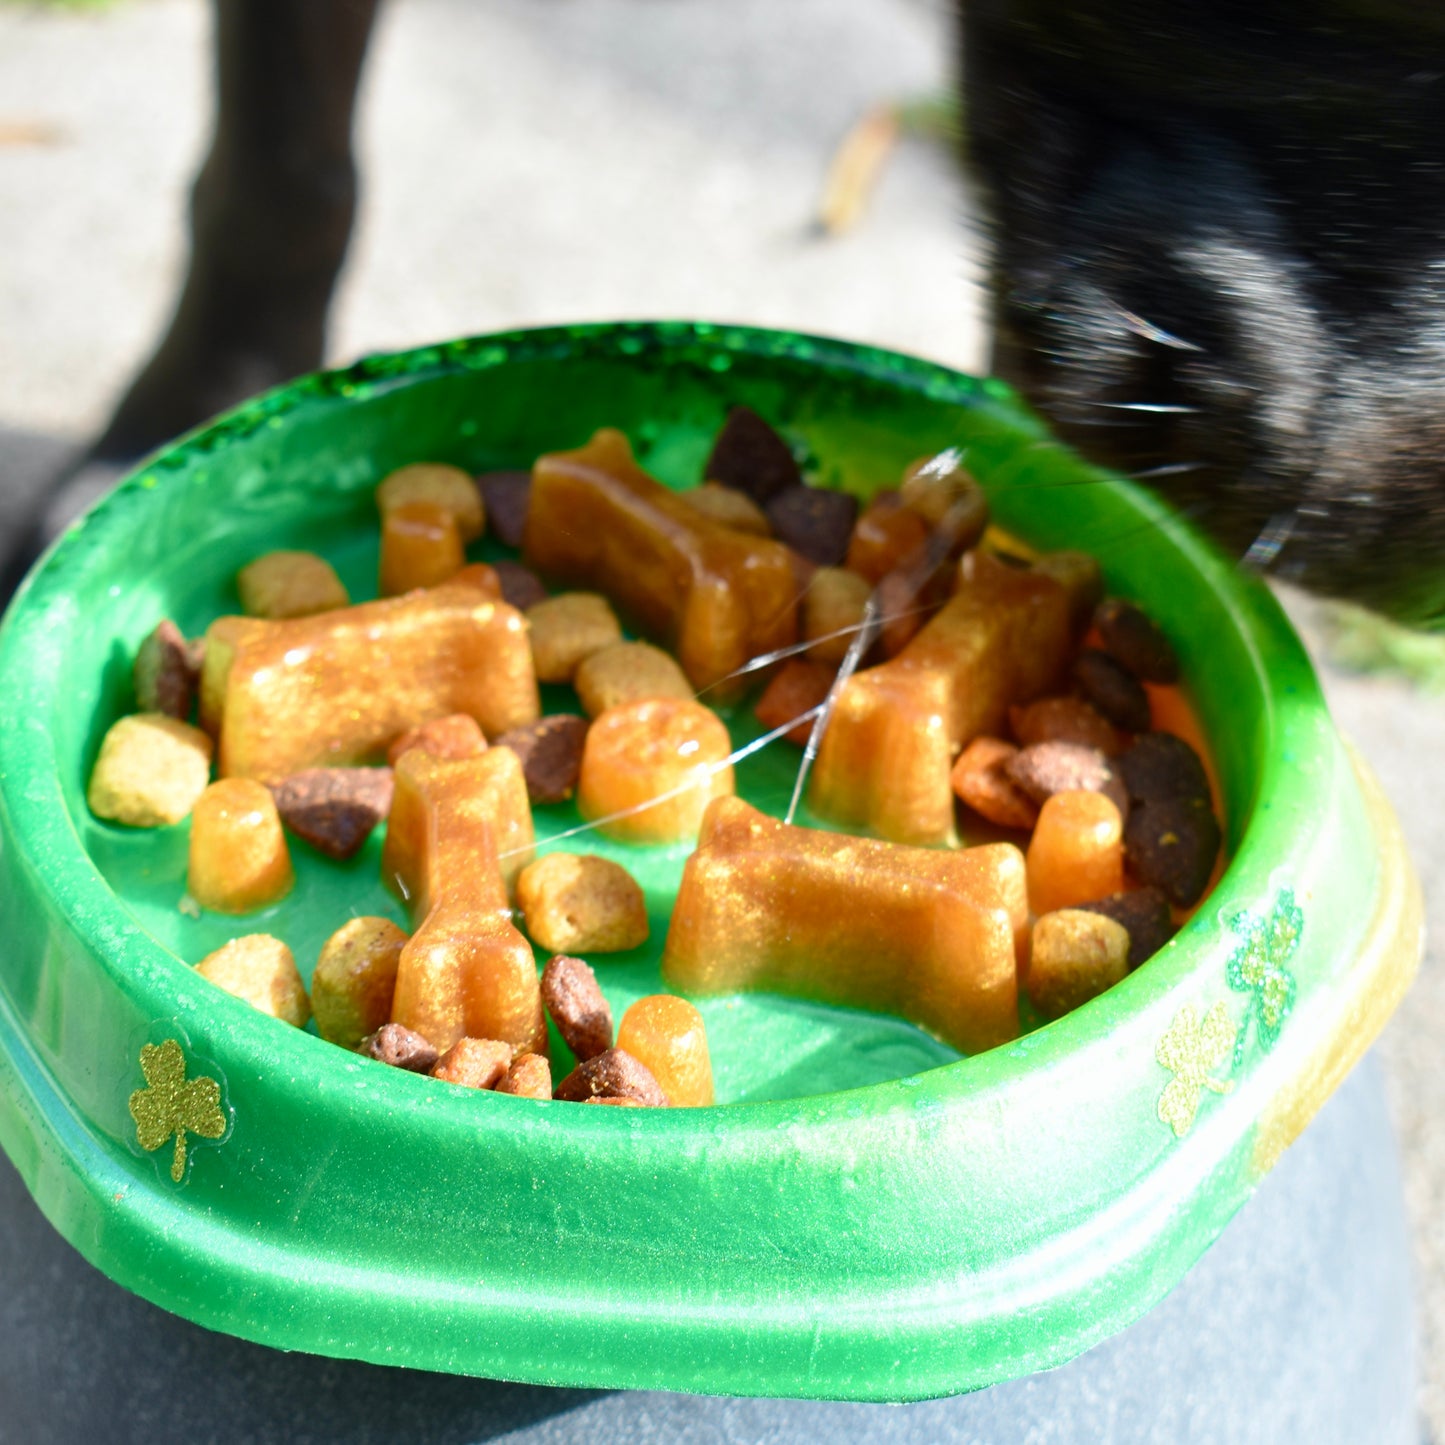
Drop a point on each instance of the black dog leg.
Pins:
(270, 217)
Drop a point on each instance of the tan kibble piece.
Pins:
(1076, 956)
(832, 612)
(261, 970)
(628, 672)
(355, 978)
(567, 629)
(1065, 720)
(667, 1034)
(1079, 574)
(444, 486)
(474, 1063)
(581, 904)
(238, 856)
(530, 1077)
(940, 487)
(290, 584)
(729, 506)
(150, 771)
(457, 735)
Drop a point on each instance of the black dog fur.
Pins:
(1219, 257)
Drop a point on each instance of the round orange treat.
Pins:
(666, 1034)
(1076, 854)
(669, 749)
(238, 858)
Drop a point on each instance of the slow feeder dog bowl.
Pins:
(865, 1215)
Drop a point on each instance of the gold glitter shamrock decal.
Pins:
(173, 1104)
(1257, 966)
(1191, 1051)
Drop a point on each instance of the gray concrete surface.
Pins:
(540, 160)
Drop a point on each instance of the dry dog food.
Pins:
(261, 970)
(798, 686)
(151, 771)
(749, 455)
(613, 1075)
(581, 903)
(628, 672)
(530, 1076)
(981, 779)
(576, 1005)
(458, 735)
(474, 1063)
(289, 584)
(167, 672)
(334, 809)
(439, 485)
(401, 1047)
(833, 608)
(505, 496)
(1076, 956)
(730, 507)
(354, 980)
(550, 750)
(568, 629)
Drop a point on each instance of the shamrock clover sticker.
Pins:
(1258, 966)
(171, 1104)
(1191, 1050)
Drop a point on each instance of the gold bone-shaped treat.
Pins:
(1002, 638)
(716, 596)
(929, 934)
(458, 833)
(337, 688)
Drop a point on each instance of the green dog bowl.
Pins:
(865, 1214)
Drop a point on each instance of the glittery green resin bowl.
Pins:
(865, 1215)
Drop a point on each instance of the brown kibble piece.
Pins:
(458, 735)
(650, 768)
(167, 672)
(980, 779)
(729, 506)
(1144, 915)
(886, 535)
(334, 809)
(1161, 766)
(613, 1075)
(815, 521)
(401, 1047)
(1077, 954)
(577, 1007)
(260, 970)
(1076, 853)
(438, 485)
(1065, 720)
(1172, 843)
(354, 979)
(567, 629)
(521, 587)
(1048, 768)
(1115, 692)
(617, 1102)
(238, 859)
(507, 496)
(627, 672)
(551, 754)
(1135, 641)
(798, 686)
(833, 609)
(474, 1063)
(420, 547)
(150, 771)
(667, 1035)
(581, 903)
(290, 584)
(749, 455)
(530, 1077)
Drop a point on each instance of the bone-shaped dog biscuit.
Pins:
(716, 596)
(884, 761)
(337, 688)
(931, 935)
(459, 831)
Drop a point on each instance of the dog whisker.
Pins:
(1150, 332)
(1156, 408)
(1169, 469)
(1263, 552)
